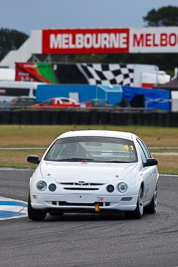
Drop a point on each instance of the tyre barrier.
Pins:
(15, 117)
(75, 117)
(93, 117)
(35, 117)
(54, 117)
(25, 117)
(154, 118)
(175, 119)
(45, 117)
(64, 117)
(85, 117)
(139, 119)
(103, 117)
(121, 119)
(169, 119)
(6, 117)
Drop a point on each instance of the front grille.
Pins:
(81, 186)
(86, 184)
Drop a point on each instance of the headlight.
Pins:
(41, 185)
(122, 187)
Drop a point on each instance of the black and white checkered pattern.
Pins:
(107, 74)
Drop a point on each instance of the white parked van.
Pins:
(12, 89)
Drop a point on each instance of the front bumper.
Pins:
(78, 202)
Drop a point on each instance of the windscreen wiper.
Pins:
(76, 159)
(117, 161)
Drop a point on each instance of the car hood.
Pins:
(87, 172)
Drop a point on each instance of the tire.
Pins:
(151, 208)
(33, 214)
(138, 212)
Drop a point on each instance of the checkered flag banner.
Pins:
(107, 74)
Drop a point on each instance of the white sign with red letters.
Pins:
(153, 40)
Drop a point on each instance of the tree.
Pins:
(164, 16)
(10, 40)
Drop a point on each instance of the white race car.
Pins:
(94, 171)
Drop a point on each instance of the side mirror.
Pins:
(33, 159)
(151, 162)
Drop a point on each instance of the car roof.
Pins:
(60, 98)
(28, 97)
(96, 99)
(102, 133)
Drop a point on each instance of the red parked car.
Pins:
(60, 102)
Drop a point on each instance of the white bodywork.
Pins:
(80, 185)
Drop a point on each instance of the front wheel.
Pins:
(138, 212)
(34, 214)
(151, 208)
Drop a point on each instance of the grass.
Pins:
(167, 164)
(18, 158)
(42, 136)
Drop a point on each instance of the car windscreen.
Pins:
(94, 149)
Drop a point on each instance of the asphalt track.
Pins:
(89, 240)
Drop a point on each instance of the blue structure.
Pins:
(152, 98)
(113, 94)
(138, 97)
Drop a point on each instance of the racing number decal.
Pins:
(127, 147)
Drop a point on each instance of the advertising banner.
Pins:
(81, 41)
(121, 40)
(153, 40)
(35, 72)
(75, 73)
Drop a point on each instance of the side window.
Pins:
(65, 100)
(145, 149)
(47, 103)
(34, 92)
(142, 153)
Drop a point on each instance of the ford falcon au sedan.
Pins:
(94, 171)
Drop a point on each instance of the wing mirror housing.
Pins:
(33, 159)
(151, 162)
